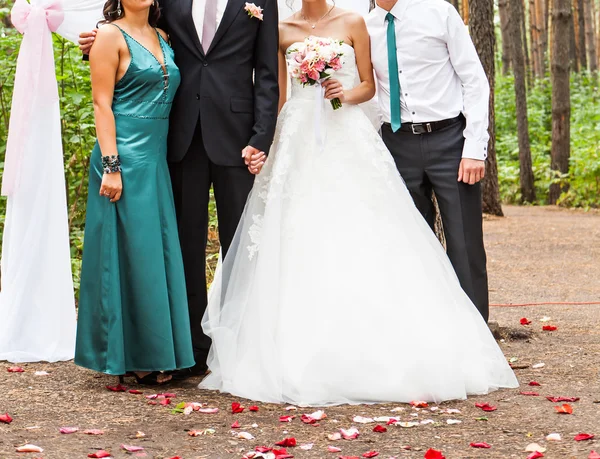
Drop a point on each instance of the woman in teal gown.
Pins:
(133, 313)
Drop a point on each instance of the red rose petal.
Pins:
(263, 449)
(486, 407)
(135, 392)
(286, 418)
(379, 429)
(549, 328)
(480, 445)
(434, 454)
(307, 419)
(117, 388)
(525, 321)
(235, 425)
(371, 454)
(236, 408)
(165, 402)
(349, 457)
(253, 408)
(287, 442)
(5, 418)
(419, 404)
(349, 434)
(168, 395)
(334, 449)
(594, 455)
(532, 394)
(281, 454)
(583, 437)
(99, 454)
(534, 383)
(563, 399)
(152, 402)
(68, 430)
(15, 370)
(535, 455)
(564, 409)
(132, 449)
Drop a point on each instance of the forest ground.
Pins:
(535, 254)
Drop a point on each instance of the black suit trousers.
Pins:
(192, 178)
(429, 162)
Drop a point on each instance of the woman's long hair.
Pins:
(113, 10)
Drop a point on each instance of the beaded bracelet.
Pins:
(111, 164)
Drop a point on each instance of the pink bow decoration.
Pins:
(35, 78)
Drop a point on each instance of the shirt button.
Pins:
(414, 113)
(197, 96)
(400, 71)
(406, 94)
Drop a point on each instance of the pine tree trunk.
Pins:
(590, 35)
(505, 33)
(465, 11)
(580, 34)
(518, 61)
(528, 72)
(574, 56)
(484, 38)
(541, 12)
(561, 97)
(534, 39)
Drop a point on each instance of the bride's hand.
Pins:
(333, 90)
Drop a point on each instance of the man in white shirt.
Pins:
(434, 94)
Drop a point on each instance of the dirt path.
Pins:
(536, 254)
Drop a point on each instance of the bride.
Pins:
(335, 290)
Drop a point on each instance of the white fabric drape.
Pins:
(37, 306)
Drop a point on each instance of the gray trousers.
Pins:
(429, 162)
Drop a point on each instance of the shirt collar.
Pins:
(397, 10)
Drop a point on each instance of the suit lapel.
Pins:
(186, 6)
(231, 11)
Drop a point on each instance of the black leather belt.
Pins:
(425, 128)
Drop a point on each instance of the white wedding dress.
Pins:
(335, 290)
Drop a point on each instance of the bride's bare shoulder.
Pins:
(348, 16)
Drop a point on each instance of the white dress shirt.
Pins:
(198, 8)
(439, 70)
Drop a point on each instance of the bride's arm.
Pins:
(362, 48)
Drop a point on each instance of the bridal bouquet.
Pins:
(314, 61)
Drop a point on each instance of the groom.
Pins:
(221, 127)
(433, 93)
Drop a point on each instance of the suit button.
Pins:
(197, 96)
(205, 64)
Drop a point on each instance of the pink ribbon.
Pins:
(35, 79)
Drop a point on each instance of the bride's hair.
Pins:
(113, 10)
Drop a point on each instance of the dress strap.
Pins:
(127, 37)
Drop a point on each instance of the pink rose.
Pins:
(254, 11)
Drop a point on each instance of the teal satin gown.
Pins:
(133, 312)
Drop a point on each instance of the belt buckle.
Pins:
(420, 128)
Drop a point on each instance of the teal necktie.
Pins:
(393, 69)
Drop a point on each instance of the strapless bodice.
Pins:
(347, 75)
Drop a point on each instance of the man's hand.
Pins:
(86, 40)
(254, 159)
(471, 171)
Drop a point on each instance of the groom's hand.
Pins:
(86, 40)
(254, 159)
(471, 171)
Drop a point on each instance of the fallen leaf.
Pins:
(68, 430)
(99, 454)
(350, 434)
(535, 455)
(334, 449)
(253, 408)
(419, 404)
(553, 437)
(594, 455)
(307, 447)
(132, 449)
(434, 454)
(15, 370)
(287, 442)
(245, 436)
(362, 420)
(480, 445)
(525, 321)
(5, 418)
(371, 454)
(117, 388)
(335, 436)
(534, 448)
(563, 399)
(482, 418)
(236, 408)
(583, 437)
(29, 449)
(486, 406)
(549, 328)
(379, 429)
(235, 425)
(564, 409)
(93, 432)
(532, 394)
(286, 418)
(534, 383)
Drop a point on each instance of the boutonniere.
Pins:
(254, 11)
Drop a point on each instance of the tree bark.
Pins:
(482, 32)
(534, 38)
(590, 35)
(505, 34)
(561, 97)
(574, 56)
(465, 11)
(542, 21)
(528, 72)
(580, 34)
(518, 61)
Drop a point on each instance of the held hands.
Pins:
(471, 171)
(334, 90)
(254, 159)
(112, 186)
(86, 40)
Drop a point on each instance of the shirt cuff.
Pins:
(475, 149)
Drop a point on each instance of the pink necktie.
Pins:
(209, 27)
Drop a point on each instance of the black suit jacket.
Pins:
(232, 89)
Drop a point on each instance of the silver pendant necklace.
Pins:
(312, 26)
